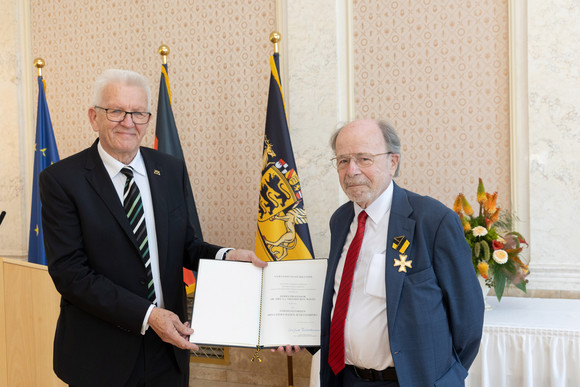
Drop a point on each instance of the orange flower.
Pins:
(495, 216)
(457, 205)
(481, 196)
(490, 203)
(465, 224)
(483, 269)
(488, 223)
(466, 207)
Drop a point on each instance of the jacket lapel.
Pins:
(399, 225)
(158, 187)
(100, 181)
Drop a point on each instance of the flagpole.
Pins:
(39, 64)
(163, 51)
(167, 141)
(45, 154)
(275, 38)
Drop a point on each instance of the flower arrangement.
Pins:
(495, 246)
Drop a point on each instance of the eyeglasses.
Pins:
(363, 160)
(116, 115)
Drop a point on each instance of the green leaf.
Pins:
(522, 286)
(477, 249)
(500, 280)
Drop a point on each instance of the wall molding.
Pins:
(26, 122)
(551, 277)
(519, 128)
(345, 71)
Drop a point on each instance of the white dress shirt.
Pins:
(366, 334)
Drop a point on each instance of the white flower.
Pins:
(479, 231)
(500, 256)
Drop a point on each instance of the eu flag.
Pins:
(282, 224)
(167, 140)
(45, 154)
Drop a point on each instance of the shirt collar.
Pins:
(114, 166)
(380, 207)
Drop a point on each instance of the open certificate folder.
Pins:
(239, 304)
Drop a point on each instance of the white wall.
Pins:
(554, 135)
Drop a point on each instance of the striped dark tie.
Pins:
(134, 209)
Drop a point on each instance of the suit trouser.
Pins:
(156, 365)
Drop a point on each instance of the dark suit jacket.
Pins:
(435, 309)
(94, 262)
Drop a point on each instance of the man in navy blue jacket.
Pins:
(414, 312)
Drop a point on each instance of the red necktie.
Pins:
(336, 350)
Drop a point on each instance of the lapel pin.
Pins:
(156, 171)
(400, 243)
(403, 263)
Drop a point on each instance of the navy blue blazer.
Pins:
(435, 309)
(94, 261)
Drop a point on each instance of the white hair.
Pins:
(120, 76)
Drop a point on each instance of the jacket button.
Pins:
(142, 282)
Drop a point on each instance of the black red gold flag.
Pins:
(167, 140)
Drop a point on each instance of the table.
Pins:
(529, 342)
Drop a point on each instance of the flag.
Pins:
(167, 141)
(282, 224)
(45, 154)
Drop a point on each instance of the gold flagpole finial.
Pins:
(163, 51)
(39, 64)
(275, 38)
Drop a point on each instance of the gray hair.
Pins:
(390, 136)
(120, 76)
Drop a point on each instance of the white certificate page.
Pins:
(292, 302)
(226, 308)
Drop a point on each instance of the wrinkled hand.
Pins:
(246, 256)
(170, 329)
(288, 350)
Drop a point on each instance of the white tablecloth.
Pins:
(529, 342)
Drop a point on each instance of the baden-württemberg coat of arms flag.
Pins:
(282, 224)
(45, 154)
